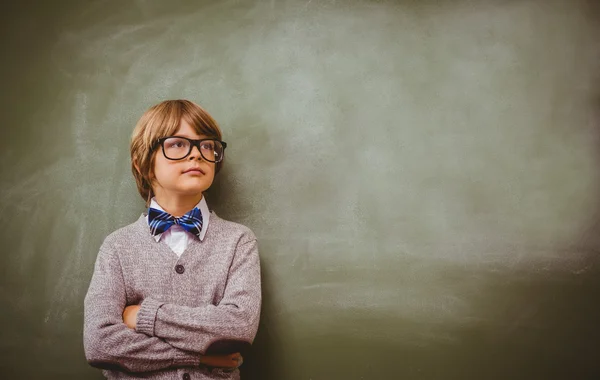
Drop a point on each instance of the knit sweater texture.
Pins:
(206, 301)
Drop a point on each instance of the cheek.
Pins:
(213, 168)
(162, 171)
(211, 173)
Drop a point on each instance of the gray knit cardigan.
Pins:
(209, 297)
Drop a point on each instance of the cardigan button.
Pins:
(179, 269)
(186, 376)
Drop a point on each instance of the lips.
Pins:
(194, 170)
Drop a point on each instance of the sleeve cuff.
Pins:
(147, 316)
(186, 359)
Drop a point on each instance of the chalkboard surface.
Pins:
(423, 176)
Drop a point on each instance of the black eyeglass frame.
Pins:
(193, 143)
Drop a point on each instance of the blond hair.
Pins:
(160, 121)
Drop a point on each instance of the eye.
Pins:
(208, 145)
(176, 143)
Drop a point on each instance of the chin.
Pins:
(194, 190)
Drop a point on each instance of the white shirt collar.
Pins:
(202, 205)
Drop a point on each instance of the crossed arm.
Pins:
(156, 335)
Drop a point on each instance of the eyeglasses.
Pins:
(178, 148)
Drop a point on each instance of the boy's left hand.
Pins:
(130, 315)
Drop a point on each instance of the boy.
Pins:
(180, 282)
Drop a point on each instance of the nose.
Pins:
(195, 153)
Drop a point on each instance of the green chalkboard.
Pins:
(423, 176)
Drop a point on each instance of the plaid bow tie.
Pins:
(160, 221)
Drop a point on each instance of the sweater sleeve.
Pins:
(108, 342)
(235, 318)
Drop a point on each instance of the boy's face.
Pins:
(187, 177)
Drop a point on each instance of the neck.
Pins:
(177, 205)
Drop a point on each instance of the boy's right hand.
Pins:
(223, 361)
